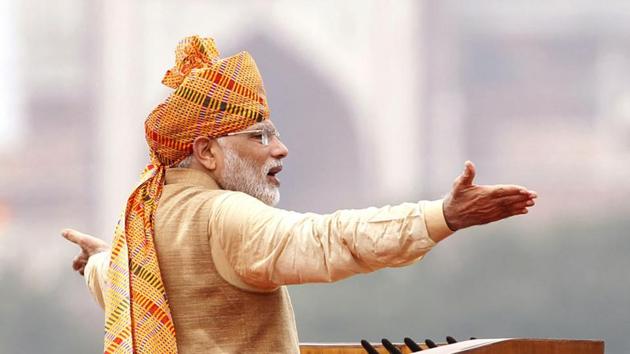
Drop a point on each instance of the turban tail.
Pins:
(212, 97)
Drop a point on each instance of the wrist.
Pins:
(98, 250)
(449, 218)
(436, 225)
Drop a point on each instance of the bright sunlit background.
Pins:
(379, 102)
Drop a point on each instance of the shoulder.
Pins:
(239, 209)
(183, 192)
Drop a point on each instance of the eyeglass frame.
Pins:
(266, 134)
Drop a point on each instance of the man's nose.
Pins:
(278, 149)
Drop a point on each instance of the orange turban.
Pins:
(212, 97)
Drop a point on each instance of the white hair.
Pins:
(185, 163)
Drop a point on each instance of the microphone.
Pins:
(430, 343)
(412, 345)
(368, 347)
(390, 347)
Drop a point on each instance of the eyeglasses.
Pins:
(263, 135)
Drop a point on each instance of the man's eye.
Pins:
(257, 136)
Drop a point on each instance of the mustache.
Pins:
(272, 164)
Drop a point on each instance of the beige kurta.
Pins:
(225, 258)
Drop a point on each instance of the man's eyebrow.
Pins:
(261, 125)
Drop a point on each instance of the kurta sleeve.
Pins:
(258, 247)
(95, 274)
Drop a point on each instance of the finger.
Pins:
(472, 170)
(509, 214)
(74, 236)
(89, 244)
(505, 190)
(78, 262)
(468, 175)
(513, 199)
(515, 212)
(523, 205)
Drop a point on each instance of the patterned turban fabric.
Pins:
(212, 97)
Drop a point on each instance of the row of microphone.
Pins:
(410, 343)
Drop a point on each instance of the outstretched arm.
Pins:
(267, 247)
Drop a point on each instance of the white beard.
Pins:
(242, 175)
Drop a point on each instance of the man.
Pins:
(204, 209)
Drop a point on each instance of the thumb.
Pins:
(467, 177)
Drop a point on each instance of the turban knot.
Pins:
(191, 53)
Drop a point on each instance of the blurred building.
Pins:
(532, 95)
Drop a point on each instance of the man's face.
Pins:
(251, 167)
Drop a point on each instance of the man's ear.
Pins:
(207, 152)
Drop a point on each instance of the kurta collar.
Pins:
(191, 177)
